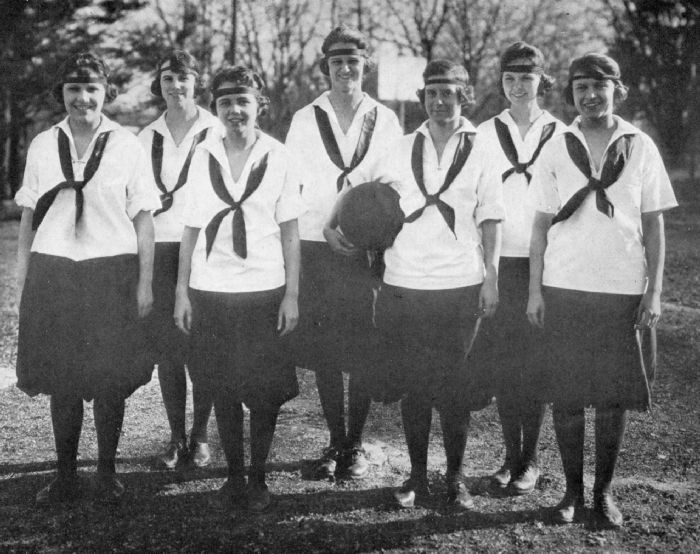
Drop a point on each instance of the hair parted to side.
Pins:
(449, 70)
(179, 61)
(521, 50)
(240, 76)
(344, 33)
(83, 63)
(597, 66)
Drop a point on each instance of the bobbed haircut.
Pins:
(449, 70)
(521, 50)
(598, 66)
(180, 61)
(344, 33)
(83, 63)
(240, 76)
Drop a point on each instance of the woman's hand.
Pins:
(535, 309)
(288, 315)
(144, 298)
(183, 312)
(488, 296)
(649, 311)
(338, 242)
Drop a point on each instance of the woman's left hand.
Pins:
(488, 297)
(144, 299)
(649, 311)
(288, 315)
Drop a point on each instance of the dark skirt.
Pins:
(593, 356)
(79, 331)
(166, 341)
(422, 335)
(335, 310)
(504, 356)
(236, 348)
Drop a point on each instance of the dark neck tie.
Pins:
(331, 145)
(511, 153)
(166, 197)
(460, 158)
(255, 177)
(616, 157)
(93, 163)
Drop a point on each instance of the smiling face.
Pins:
(520, 88)
(238, 112)
(84, 101)
(345, 71)
(442, 103)
(177, 88)
(594, 98)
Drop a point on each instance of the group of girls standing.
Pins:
(500, 221)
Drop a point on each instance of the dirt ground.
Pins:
(657, 481)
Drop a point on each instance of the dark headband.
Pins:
(598, 76)
(444, 81)
(523, 68)
(346, 52)
(184, 68)
(219, 92)
(84, 76)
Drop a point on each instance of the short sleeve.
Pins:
(543, 194)
(194, 214)
(489, 187)
(289, 205)
(28, 194)
(140, 190)
(657, 191)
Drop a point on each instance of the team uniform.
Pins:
(504, 353)
(428, 303)
(335, 298)
(594, 266)
(79, 334)
(238, 278)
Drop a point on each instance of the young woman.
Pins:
(86, 221)
(336, 140)
(238, 278)
(441, 275)
(507, 343)
(171, 141)
(596, 263)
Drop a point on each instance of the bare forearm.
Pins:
(291, 251)
(145, 237)
(491, 243)
(24, 245)
(653, 237)
(538, 245)
(189, 240)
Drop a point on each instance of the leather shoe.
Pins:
(109, 488)
(259, 498)
(570, 507)
(525, 481)
(233, 493)
(502, 477)
(413, 488)
(355, 461)
(606, 515)
(63, 488)
(199, 454)
(458, 496)
(326, 465)
(172, 455)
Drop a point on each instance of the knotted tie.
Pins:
(511, 153)
(331, 145)
(616, 158)
(93, 163)
(255, 177)
(166, 197)
(460, 158)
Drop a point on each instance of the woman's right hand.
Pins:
(183, 312)
(338, 242)
(535, 309)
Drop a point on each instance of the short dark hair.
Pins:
(243, 76)
(344, 33)
(181, 61)
(597, 66)
(522, 50)
(452, 70)
(83, 61)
